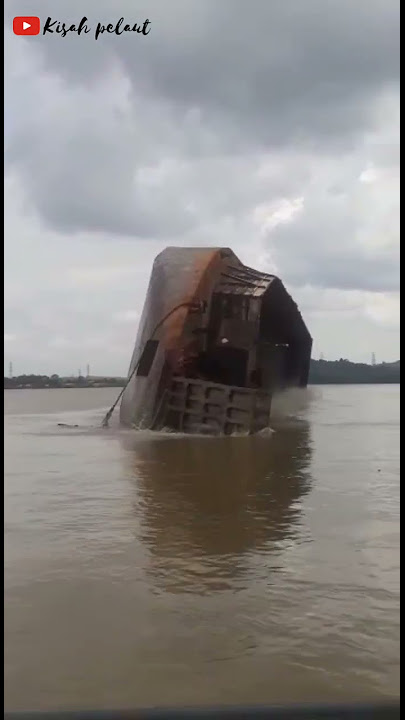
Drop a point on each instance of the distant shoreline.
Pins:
(322, 372)
(97, 387)
(61, 387)
(39, 382)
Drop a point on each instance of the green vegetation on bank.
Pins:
(54, 381)
(322, 372)
(344, 372)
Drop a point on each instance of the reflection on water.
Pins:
(143, 569)
(207, 505)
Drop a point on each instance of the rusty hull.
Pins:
(178, 275)
(251, 309)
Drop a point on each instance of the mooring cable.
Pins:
(196, 305)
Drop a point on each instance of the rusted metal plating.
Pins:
(236, 326)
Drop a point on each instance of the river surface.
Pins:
(145, 569)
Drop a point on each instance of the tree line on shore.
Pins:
(55, 381)
(322, 372)
(344, 372)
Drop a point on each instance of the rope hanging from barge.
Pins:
(197, 306)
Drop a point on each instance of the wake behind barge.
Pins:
(216, 340)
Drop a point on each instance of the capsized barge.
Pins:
(216, 340)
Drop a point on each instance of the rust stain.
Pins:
(196, 290)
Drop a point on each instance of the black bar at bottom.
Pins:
(309, 712)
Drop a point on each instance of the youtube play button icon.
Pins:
(26, 25)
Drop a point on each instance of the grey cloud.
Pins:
(211, 79)
(332, 244)
(225, 112)
(345, 269)
(263, 72)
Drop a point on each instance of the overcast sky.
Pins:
(267, 126)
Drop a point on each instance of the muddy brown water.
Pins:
(144, 569)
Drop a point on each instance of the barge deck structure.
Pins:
(216, 340)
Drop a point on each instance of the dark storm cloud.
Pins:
(160, 136)
(266, 72)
